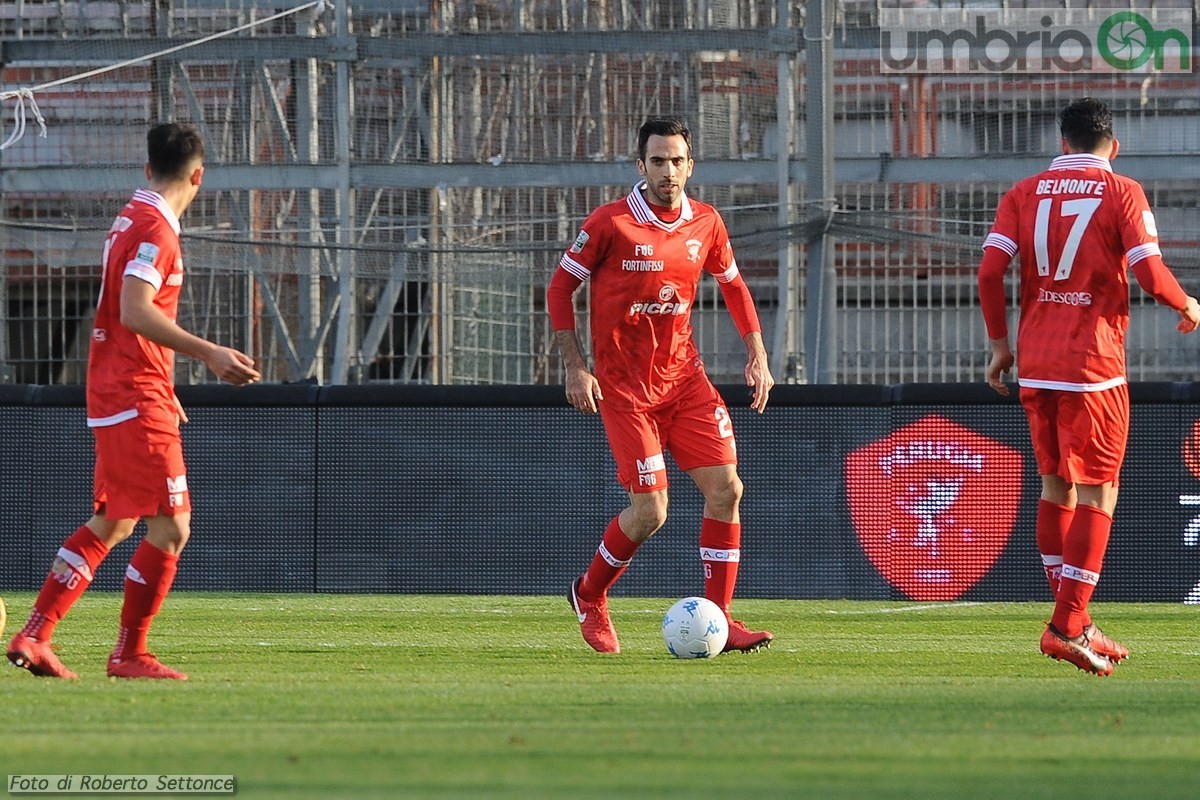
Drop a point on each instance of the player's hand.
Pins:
(233, 366)
(1002, 361)
(758, 376)
(583, 390)
(179, 412)
(1190, 316)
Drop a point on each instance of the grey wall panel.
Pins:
(18, 449)
(458, 499)
(60, 466)
(915, 492)
(251, 474)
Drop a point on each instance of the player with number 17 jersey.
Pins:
(644, 273)
(1078, 228)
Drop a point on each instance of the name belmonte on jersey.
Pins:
(1069, 186)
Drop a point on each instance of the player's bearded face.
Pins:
(666, 168)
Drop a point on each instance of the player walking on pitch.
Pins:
(135, 417)
(644, 255)
(1078, 228)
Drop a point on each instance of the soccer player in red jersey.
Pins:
(644, 255)
(1078, 228)
(135, 417)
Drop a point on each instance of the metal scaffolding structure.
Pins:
(390, 184)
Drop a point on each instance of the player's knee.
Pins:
(650, 512)
(726, 495)
(168, 533)
(111, 532)
(652, 519)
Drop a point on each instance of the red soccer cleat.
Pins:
(745, 641)
(598, 630)
(37, 657)
(143, 665)
(1077, 651)
(1111, 649)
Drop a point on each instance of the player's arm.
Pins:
(140, 315)
(1190, 316)
(758, 371)
(998, 251)
(1159, 282)
(583, 390)
(1139, 234)
(745, 317)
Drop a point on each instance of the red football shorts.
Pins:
(1079, 436)
(139, 467)
(693, 426)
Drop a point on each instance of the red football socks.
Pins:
(1053, 522)
(81, 554)
(720, 552)
(1083, 558)
(148, 579)
(612, 557)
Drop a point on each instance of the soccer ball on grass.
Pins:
(695, 628)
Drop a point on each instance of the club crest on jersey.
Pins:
(580, 241)
(693, 248)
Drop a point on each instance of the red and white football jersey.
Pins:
(1077, 227)
(644, 273)
(127, 372)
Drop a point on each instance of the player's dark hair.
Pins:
(1086, 124)
(172, 149)
(663, 126)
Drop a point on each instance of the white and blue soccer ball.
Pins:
(695, 627)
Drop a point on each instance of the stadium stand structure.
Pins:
(391, 184)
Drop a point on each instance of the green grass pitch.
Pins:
(352, 696)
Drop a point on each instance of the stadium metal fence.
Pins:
(391, 182)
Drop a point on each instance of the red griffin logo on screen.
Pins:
(933, 505)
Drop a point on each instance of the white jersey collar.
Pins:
(155, 199)
(642, 211)
(1081, 161)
